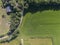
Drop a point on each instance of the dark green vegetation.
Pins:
(39, 1)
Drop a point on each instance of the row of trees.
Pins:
(15, 19)
(38, 1)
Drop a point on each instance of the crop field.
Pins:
(42, 24)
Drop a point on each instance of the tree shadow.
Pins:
(42, 6)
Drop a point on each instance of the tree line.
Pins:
(38, 1)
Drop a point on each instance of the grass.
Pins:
(42, 24)
(45, 41)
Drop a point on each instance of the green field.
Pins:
(42, 24)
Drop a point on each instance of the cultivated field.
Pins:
(42, 24)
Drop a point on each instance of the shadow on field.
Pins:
(34, 7)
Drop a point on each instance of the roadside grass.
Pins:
(42, 24)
